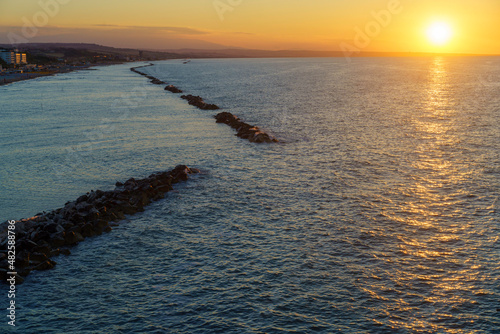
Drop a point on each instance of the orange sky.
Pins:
(260, 24)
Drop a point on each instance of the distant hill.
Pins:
(91, 52)
(43, 53)
(249, 53)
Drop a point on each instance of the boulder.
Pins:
(173, 89)
(36, 258)
(197, 101)
(72, 238)
(46, 265)
(244, 130)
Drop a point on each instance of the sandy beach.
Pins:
(14, 77)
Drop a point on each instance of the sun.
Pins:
(439, 33)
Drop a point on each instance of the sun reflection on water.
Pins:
(435, 271)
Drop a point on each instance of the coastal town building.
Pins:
(20, 58)
(8, 56)
(13, 57)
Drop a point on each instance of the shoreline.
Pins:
(6, 79)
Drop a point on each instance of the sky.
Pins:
(325, 25)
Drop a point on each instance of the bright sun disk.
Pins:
(439, 33)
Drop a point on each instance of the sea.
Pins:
(377, 212)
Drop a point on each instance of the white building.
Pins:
(8, 56)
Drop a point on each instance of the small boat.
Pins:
(187, 61)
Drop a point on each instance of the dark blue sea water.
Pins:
(378, 212)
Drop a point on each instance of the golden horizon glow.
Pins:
(439, 33)
(375, 25)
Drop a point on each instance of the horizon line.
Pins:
(237, 49)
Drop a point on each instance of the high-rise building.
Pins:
(20, 58)
(8, 56)
(13, 57)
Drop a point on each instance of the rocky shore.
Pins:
(50, 234)
(244, 130)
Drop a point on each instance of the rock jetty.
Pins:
(197, 101)
(49, 234)
(155, 81)
(134, 69)
(173, 89)
(244, 130)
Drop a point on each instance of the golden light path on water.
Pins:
(431, 268)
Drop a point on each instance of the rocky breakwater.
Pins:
(134, 69)
(197, 101)
(155, 81)
(173, 89)
(244, 130)
(51, 233)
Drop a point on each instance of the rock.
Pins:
(244, 130)
(173, 89)
(83, 207)
(26, 244)
(198, 102)
(88, 230)
(72, 238)
(76, 228)
(38, 257)
(58, 239)
(22, 258)
(55, 252)
(51, 228)
(42, 250)
(101, 225)
(65, 251)
(92, 214)
(67, 225)
(157, 82)
(46, 265)
(82, 198)
(42, 235)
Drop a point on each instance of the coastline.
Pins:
(51, 233)
(6, 79)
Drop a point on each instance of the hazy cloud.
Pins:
(118, 36)
(172, 30)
